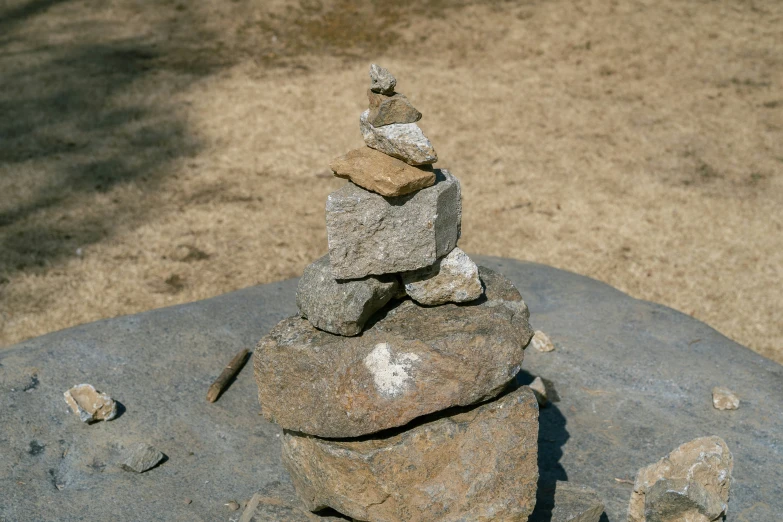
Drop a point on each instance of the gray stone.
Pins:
(341, 307)
(620, 408)
(141, 457)
(403, 141)
(724, 399)
(386, 110)
(278, 502)
(539, 388)
(381, 80)
(690, 484)
(567, 502)
(412, 361)
(89, 404)
(372, 235)
(453, 278)
(477, 464)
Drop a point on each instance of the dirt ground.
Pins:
(160, 152)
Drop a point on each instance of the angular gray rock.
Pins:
(478, 464)
(140, 458)
(690, 484)
(403, 141)
(411, 362)
(341, 307)
(567, 502)
(453, 278)
(381, 80)
(89, 404)
(372, 235)
(541, 342)
(386, 110)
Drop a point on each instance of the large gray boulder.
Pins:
(634, 378)
(371, 235)
(412, 361)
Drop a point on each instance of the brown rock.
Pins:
(690, 484)
(411, 362)
(385, 110)
(724, 399)
(567, 502)
(89, 404)
(539, 388)
(380, 173)
(475, 465)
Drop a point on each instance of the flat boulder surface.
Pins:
(412, 361)
(634, 381)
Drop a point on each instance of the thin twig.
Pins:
(226, 375)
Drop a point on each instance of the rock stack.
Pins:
(395, 384)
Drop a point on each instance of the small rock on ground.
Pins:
(724, 399)
(89, 404)
(341, 307)
(541, 342)
(381, 80)
(141, 457)
(690, 484)
(380, 173)
(453, 278)
(404, 141)
(539, 388)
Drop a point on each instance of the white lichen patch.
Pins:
(391, 373)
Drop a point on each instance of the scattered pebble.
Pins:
(141, 457)
(724, 399)
(89, 404)
(539, 389)
(188, 501)
(233, 505)
(541, 342)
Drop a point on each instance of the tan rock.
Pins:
(691, 484)
(412, 361)
(405, 141)
(539, 388)
(89, 404)
(541, 342)
(567, 502)
(380, 173)
(724, 399)
(476, 465)
(385, 110)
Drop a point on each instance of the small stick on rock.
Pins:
(226, 375)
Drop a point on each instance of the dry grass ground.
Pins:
(155, 153)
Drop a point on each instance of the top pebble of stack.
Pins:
(382, 80)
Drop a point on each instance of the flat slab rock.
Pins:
(474, 465)
(377, 172)
(635, 381)
(412, 361)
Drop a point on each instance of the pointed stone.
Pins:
(371, 235)
(380, 173)
(141, 457)
(381, 80)
(691, 483)
(403, 141)
(385, 110)
(477, 464)
(341, 307)
(453, 278)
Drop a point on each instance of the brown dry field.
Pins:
(155, 153)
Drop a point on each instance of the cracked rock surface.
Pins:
(453, 278)
(476, 464)
(412, 361)
(404, 141)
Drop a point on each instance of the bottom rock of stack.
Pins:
(466, 464)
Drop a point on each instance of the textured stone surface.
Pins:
(369, 234)
(89, 404)
(341, 307)
(405, 141)
(381, 80)
(411, 362)
(454, 278)
(690, 484)
(541, 342)
(475, 465)
(380, 173)
(724, 399)
(141, 457)
(385, 110)
(539, 389)
(620, 408)
(278, 502)
(567, 502)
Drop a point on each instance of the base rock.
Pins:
(412, 361)
(341, 307)
(470, 466)
(690, 484)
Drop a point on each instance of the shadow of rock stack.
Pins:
(394, 384)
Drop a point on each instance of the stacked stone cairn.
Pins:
(395, 385)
